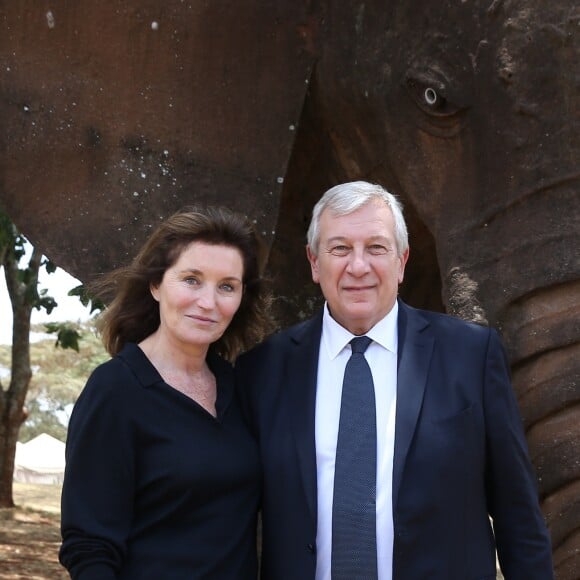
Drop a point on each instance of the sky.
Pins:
(58, 284)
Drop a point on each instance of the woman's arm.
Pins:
(98, 489)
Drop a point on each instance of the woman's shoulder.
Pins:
(130, 367)
(116, 364)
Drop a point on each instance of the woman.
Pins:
(162, 477)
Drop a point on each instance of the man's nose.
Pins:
(358, 264)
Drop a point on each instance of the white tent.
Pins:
(41, 460)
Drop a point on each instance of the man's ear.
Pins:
(313, 259)
(402, 262)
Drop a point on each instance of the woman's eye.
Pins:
(192, 280)
(227, 287)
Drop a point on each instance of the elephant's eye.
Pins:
(430, 95)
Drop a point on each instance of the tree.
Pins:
(59, 376)
(22, 284)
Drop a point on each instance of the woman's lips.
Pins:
(201, 319)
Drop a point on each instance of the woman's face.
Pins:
(199, 295)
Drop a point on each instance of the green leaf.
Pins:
(46, 302)
(66, 335)
(86, 298)
(50, 266)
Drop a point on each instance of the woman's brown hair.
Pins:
(133, 313)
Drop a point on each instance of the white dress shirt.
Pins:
(382, 358)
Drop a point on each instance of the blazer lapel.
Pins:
(414, 355)
(302, 374)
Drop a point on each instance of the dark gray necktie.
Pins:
(354, 543)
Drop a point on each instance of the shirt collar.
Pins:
(148, 375)
(335, 337)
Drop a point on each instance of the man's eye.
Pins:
(339, 250)
(377, 249)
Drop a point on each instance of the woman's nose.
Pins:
(206, 297)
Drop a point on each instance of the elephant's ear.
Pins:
(114, 112)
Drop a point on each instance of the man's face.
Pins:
(357, 266)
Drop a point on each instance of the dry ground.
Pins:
(30, 536)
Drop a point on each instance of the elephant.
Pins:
(115, 115)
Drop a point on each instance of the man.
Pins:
(450, 450)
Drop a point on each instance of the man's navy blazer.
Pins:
(460, 454)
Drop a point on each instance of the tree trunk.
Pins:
(11, 420)
(12, 410)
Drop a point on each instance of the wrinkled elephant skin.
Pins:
(472, 115)
(468, 110)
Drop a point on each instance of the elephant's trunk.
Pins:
(542, 333)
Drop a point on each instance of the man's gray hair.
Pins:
(346, 198)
